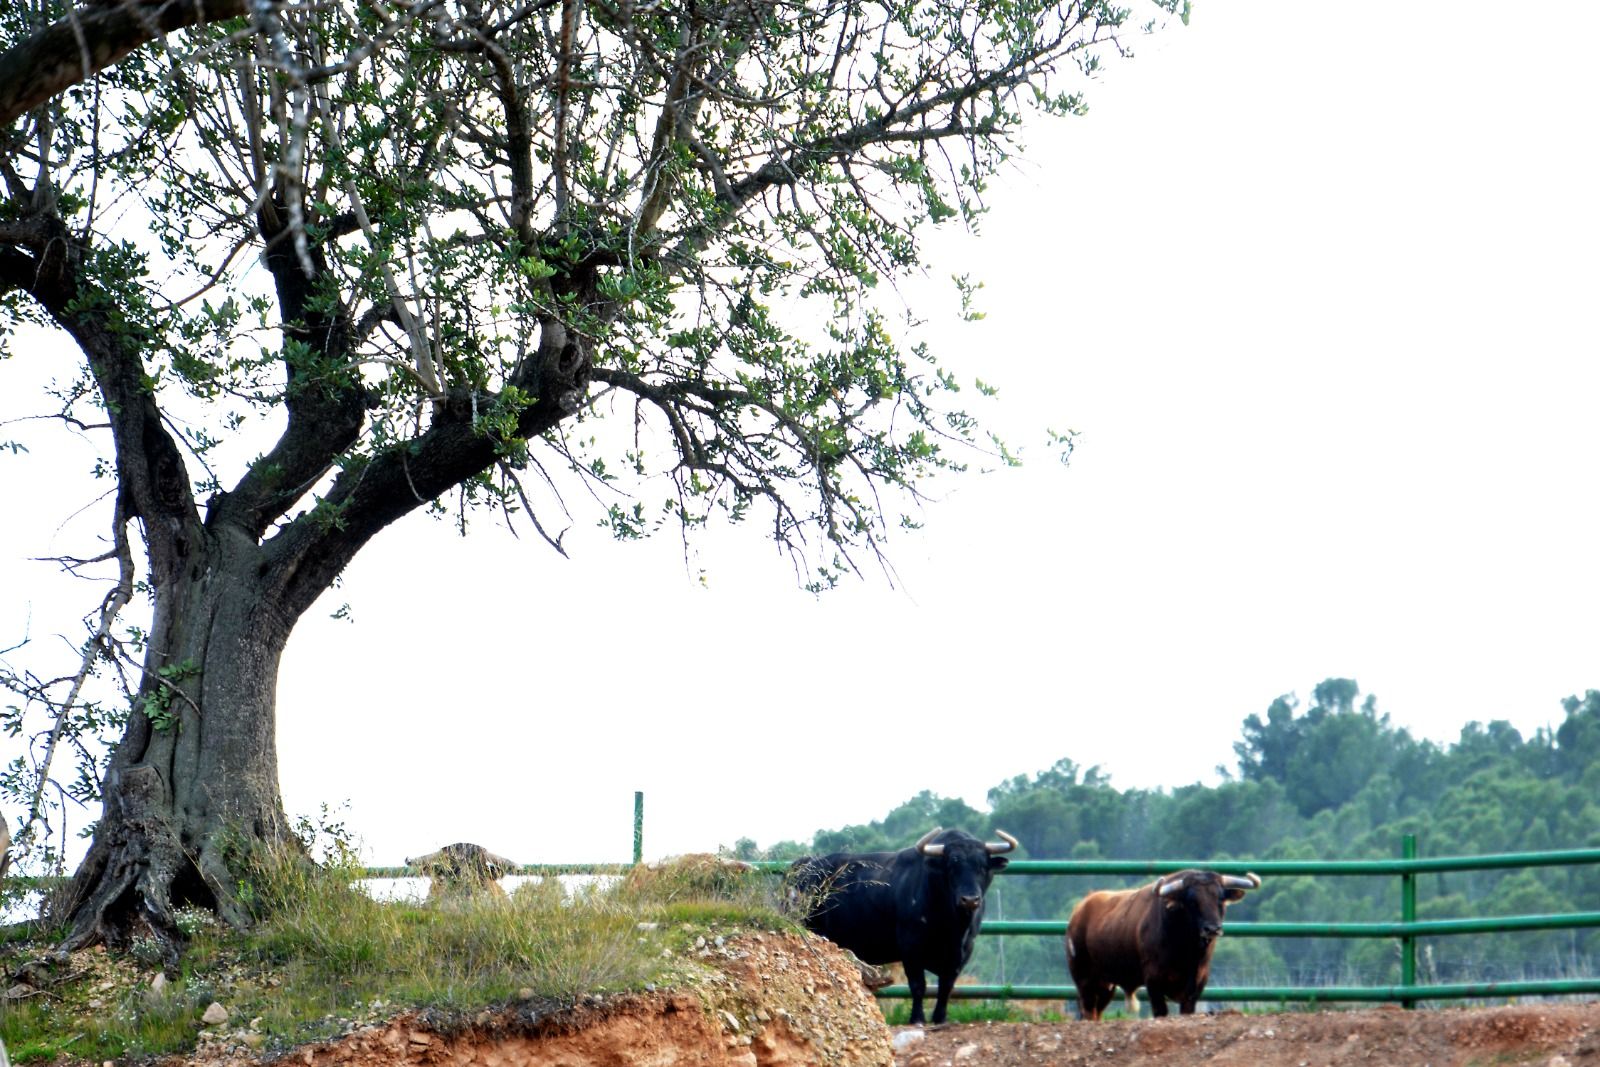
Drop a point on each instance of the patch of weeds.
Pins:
(703, 889)
(147, 952)
(193, 921)
(341, 945)
(28, 1035)
(716, 913)
(102, 1009)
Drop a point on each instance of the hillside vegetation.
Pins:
(324, 960)
(1332, 780)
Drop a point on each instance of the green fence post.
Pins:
(1408, 914)
(638, 827)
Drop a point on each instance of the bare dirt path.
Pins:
(1548, 1035)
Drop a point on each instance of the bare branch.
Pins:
(96, 648)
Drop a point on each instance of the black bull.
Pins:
(920, 906)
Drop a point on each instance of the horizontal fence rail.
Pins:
(1387, 994)
(1430, 865)
(1424, 928)
(1155, 868)
(525, 871)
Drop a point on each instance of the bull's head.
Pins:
(1203, 896)
(967, 864)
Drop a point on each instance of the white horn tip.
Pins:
(1009, 843)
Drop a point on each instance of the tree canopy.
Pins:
(329, 264)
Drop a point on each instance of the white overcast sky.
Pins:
(1318, 285)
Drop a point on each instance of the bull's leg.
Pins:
(946, 983)
(918, 984)
(1092, 1000)
(1158, 1003)
(1189, 998)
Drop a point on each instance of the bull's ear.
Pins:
(1233, 896)
(998, 863)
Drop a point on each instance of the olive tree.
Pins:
(327, 263)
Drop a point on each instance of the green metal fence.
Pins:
(1407, 931)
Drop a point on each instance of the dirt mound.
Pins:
(755, 1000)
(1550, 1035)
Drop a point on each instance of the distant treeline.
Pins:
(1332, 781)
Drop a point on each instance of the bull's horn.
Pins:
(925, 848)
(1249, 881)
(1166, 889)
(1005, 844)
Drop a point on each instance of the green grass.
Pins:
(323, 953)
(89, 1025)
(898, 1012)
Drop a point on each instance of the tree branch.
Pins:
(150, 469)
(324, 397)
(90, 39)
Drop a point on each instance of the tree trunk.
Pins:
(195, 778)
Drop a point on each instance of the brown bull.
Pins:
(1159, 936)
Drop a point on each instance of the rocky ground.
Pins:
(659, 1030)
(1549, 1035)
